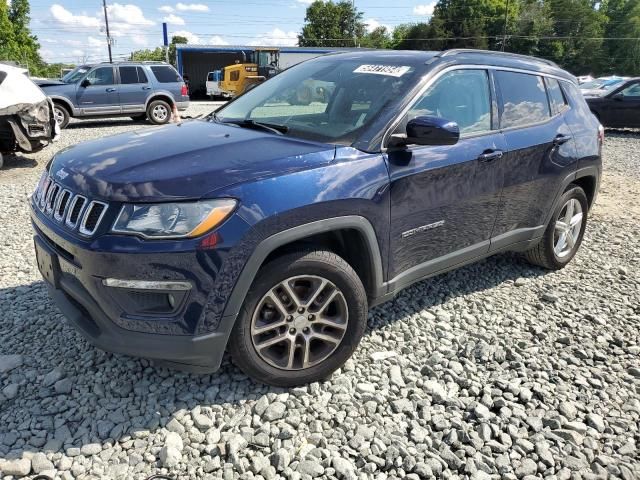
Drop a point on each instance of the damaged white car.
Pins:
(27, 123)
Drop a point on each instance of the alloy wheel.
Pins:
(299, 322)
(160, 113)
(58, 115)
(567, 228)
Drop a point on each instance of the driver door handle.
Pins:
(561, 139)
(146, 88)
(490, 156)
(111, 89)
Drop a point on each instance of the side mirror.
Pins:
(427, 130)
(618, 96)
(85, 83)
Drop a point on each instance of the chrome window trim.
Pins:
(75, 200)
(56, 207)
(83, 230)
(431, 79)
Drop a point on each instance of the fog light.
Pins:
(172, 301)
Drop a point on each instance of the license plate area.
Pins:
(47, 262)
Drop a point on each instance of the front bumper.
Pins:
(75, 274)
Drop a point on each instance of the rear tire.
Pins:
(61, 114)
(320, 319)
(159, 112)
(569, 221)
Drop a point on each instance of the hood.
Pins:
(47, 82)
(51, 87)
(183, 161)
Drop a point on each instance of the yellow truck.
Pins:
(236, 79)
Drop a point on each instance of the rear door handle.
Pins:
(561, 139)
(111, 89)
(490, 156)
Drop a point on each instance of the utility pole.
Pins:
(106, 22)
(504, 31)
(355, 35)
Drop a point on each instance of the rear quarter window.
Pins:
(524, 99)
(556, 97)
(166, 74)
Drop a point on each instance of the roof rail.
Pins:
(146, 62)
(457, 51)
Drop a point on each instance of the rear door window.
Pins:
(128, 75)
(524, 99)
(556, 96)
(165, 74)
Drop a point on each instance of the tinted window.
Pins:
(556, 97)
(210, 77)
(632, 90)
(166, 74)
(101, 76)
(461, 96)
(142, 77)
(128, 75)
(524, 99)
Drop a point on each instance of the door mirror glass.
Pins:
(428, 130)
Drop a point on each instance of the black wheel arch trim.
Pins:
(592, 171)
(300, 232)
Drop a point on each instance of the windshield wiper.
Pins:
(272, 127)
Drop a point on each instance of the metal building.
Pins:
(195, 61)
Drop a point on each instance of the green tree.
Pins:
(175, 40)
(157, 54)
(623, 32)
(378, 38)
(329, 24)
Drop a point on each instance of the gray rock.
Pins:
(10, 391)
(395, 376)
(91, 449)
(169, 456)
(52, 377)
(344, 469)
(9, 362)
(275, 411)
(16, 468)
(482, 412)
(568, 409)
(63, 386)
(596, 421)
(281, 459)
(313, 468)
(527, 467)
(40, 463)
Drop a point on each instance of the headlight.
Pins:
(173, 220)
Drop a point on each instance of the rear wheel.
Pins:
(159, 112)
(565, 231)
(61, 115)
(301, 320)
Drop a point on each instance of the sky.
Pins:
(72, 31)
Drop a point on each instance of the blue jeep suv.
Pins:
(268, 228)
(131, 89)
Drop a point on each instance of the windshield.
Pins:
(76, 74)
(328, 100)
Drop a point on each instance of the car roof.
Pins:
(459, 56)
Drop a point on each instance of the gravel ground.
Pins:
(498, 370)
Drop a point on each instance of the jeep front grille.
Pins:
(73, 211)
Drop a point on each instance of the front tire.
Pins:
(61, 115)
(565, 231)
(303, 317)
(159, 112)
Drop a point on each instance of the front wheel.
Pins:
(302, 319)
(61, 115)
(563, 235)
